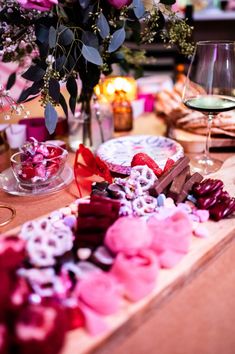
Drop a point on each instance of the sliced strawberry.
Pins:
(168, 165)
(144, 159)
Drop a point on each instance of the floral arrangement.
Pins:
(63, 40)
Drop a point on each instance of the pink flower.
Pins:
(41, 5)
(118, 4)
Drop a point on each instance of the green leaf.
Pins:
(89, 38)
(103, 26)
(11, 81)
(41, 32)
(30, 91)
(91, 54)
(54, 89)
(34, 73)
(138, 8)
(63, 104)
(51, 118)
(84, 3)
(71, 86)
(66, 36)
(168, 2)
(52, 37)
(117, 40)
(72, 103)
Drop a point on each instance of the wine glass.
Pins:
(210, 89)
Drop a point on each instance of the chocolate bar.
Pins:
(168, 176)
(91, 239)
(195, 178)
(178, 184)
(88, 223)
(94, 209)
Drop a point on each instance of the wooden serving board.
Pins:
(194, 143)
(132, 315)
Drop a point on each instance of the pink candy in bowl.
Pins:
(37, 164)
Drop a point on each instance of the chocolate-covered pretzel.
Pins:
(222, 209)
(207, 186)
(209, 200)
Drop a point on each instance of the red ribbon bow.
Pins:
(87, 165)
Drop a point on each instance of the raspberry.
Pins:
(143, 159)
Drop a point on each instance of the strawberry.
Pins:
(168, 165)
(144, 159)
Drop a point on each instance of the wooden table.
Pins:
(191, 310)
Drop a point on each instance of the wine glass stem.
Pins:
(208, 136)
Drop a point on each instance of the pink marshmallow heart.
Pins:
(171, 235)
(137, 272)
(128, 234)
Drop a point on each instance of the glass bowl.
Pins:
(38, 166)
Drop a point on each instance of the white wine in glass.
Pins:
(210, 89)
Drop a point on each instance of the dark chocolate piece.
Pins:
(195, 178)
(100, 193)
(178, 184)
(168, 176)
(115, 191)
(101, 186)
